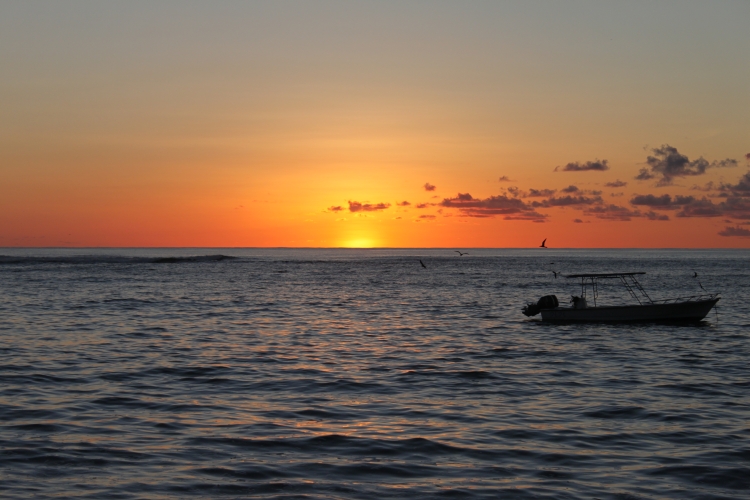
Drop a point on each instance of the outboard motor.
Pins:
(546, 302)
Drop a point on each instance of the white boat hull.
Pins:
(675, 311)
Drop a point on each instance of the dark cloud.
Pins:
(612, 212)
(504, 179)
(514, 191)
(701, 208)
(709, 186)
(735, 231)
(747, 157)
(429, 187)
(651, 215)
(644, 175)
(567, 201)
(422, 205)
(355, 206)
(570, 189)
(663, 201)
(578, 221)
(403, 204)
(616, 184)
(426, 216)
(335, 209)
(512, 208)
(668, 163)
(741, 189)
(539, 193)
(597, 164)
(530, 216)
(737, 207)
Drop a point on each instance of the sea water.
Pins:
(361, 374)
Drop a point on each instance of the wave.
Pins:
(109, 259)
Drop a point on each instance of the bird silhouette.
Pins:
(543, 244)
(461, 254)
(695, 275)
(420, 261)
(555, 273)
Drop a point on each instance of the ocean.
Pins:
(361, 374)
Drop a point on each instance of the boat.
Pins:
(682, 309)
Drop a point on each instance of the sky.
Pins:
(375, 124)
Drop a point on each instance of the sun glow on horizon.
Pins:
(360, 243)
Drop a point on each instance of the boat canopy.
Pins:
(627, 279)
(602, 275)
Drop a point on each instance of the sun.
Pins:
(359, 243)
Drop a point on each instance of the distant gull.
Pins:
(461, 254)
(543, 244)
(555, 273)
(420, 261)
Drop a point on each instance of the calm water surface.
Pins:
(312, 374)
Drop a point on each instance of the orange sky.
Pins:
(189, 124)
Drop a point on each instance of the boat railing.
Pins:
(691, 298)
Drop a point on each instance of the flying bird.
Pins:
(543, 244)
(555, 273)
(695, 275)
(420, 261)
(461, 254)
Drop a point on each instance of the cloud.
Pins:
(736, 207)
(422, 205)
(668, 163)
(512, 208)
(651, 215)
(567, 201)
(514, 191)
(429, 187)
(537, 193)
(747, 156)
(504, 179)
(709, 186)
(570, 189)
(426, 216)
(701, 208)
(735, 231)
(578, 221)
(355, 206)
(597, 164)
(403, 204)
(742, 188)
(531, 216)
(335, 209)
(662, 202)
(616, 184)
(612, 212)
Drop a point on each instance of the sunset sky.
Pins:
(415, 124)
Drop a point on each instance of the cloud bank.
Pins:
(597, 165)
(355, 206)
(668, 163)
